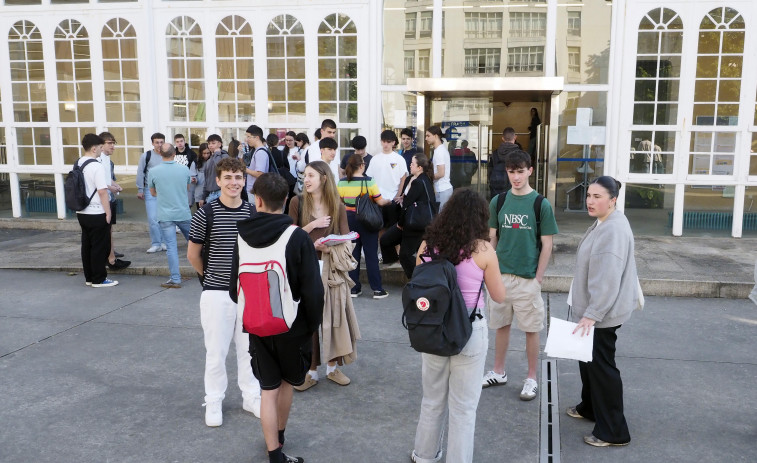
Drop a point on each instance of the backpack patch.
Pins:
(264, 295)
(75, 187)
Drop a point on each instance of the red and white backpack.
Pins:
(264, 296)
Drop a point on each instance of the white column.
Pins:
(678, 210)
(15, 194)
(436, 40)
(738, 211)
(550, 45)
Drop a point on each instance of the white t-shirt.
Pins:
(334, 165)
(441, 158)
(314, 152)
(387, 170)
(104, 159)
(94, 179)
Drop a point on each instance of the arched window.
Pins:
(285, 44)
(29, 94)
(74, 73)
(657, 82)
(122, 97)
(234, 60)
(717, 92)
(186, 84)
(337, 69)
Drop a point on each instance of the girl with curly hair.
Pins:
(451, 385)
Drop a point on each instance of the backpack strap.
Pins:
(477, 310)
(537, 216)
(85, 164)
(208, 208)
(148, 154)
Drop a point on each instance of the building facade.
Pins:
(661, 95)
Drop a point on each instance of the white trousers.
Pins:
(218, 314)
(451, 387)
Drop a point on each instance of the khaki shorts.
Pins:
(523, 300)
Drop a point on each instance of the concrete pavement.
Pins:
(115, 374)
(668, 266)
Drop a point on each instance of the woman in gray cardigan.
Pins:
(604, 293)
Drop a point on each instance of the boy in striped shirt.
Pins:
(214, 231)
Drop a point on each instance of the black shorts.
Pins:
(390, 213)
(113, 212)
(280, 358)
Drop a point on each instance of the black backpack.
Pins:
(435, 314)
(76, 189)
(537, 214)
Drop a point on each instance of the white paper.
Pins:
(562, 343)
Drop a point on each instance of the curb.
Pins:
(551, 283)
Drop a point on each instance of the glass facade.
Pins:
(285, 42)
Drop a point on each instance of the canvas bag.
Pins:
(435, 314)
(264, 295)
(367, 211)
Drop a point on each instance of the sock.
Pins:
(313, 374)
(275, 456)
(330, 369)
(281, 436)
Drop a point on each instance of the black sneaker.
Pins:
(380, 294)
(354, 293)
(119, 264)
(288, 459)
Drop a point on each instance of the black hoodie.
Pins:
(262, 230)
(498, 180)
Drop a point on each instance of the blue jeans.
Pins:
(151, 207)
(368, 242)
(213, 195)
(168, 232)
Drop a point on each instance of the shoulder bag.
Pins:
(419, 216)
(367, 211)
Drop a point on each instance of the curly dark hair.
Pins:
(454, 232)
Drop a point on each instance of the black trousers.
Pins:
(95, 246)
(409, 243)
(602, 392)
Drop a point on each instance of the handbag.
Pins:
(419, 216)
(367, 211)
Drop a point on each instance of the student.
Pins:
(279, 359)
(442, 165)
(186, 157)
(114, 263)
(498, 182)
(389, 171)
(358, 146)
(169, 183)
(94, 220)
(218, 313)
(408, 150)
(211, 189)
(327, 130)
(328, 155)
(260, 157)
(522, 263)
(147, 161)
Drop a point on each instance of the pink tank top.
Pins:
(469, 279)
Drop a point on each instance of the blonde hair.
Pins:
(329, 197)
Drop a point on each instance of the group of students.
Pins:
(504, 245)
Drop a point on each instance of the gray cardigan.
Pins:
(605, 281)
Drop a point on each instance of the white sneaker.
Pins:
(163, 247)
(153, 249)
(213, 413)
(529, 389)
(494, 379)
(105, 284)
(252, 405)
